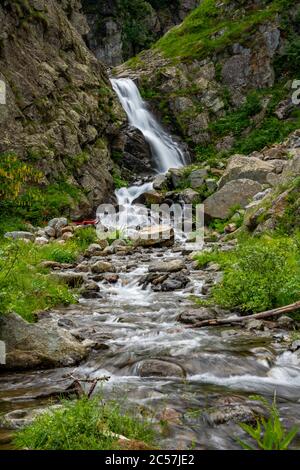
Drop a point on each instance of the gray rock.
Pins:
(166, 266)
(93, 250)
(197, 178)
(159, 368)
(161, 182)
(255, 325)
(31, 346)
(189, 196)
(175, 281)
(102, 267)
(196, 315)
(250, 168)
(19, 235)
(235, 193)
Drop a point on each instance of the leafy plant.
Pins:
(260, 274)
(268, 434)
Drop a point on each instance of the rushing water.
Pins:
(132, 324)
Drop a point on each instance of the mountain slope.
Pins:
(223, 78)
(61, 115)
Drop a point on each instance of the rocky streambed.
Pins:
(134, 325)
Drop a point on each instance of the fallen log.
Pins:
(256, 316)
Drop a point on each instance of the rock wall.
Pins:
(119, 29)
(61, 113)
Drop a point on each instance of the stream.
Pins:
(197, 381)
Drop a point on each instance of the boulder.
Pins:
(189, 196)
(102, 267)
(19, 235)
(157, 235)
(159, 368)
(197, 178)
(30, 346)
(41, 241)
(235, 193)
(177, 177)
(175, 281)
(57, 225)
(166, 266)
(161, 182)
(242, 167)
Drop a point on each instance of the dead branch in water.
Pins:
(257, 316)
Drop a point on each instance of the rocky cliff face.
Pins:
(222, 79)
(119, 29)
(61, 114)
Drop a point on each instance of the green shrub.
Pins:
(268, 434)
(83, 425)
(260, 274)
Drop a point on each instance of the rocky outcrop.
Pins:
(203, 73)
(119, 29)
(31, 346)
(61, 113)
(236, 193)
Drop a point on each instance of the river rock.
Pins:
(94, 250)
(196, 315)
(175, 281)
(159, 368)
(102, 267)
(31, 346)
(235, 193)
(242, 167)
(166, 266)
(90, 290)
(58, 224)
(158, 235)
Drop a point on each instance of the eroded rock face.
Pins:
(235, 193)
(31, 346)
(61, 111)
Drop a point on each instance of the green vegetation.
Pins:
(24, 195)
(211, 27)
(119, 182)
(268, 434)
(259, 274)
(84, 425)
(25, 286)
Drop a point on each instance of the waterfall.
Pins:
(165, 152)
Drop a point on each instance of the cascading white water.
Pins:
(165, 152)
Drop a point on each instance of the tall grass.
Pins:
(84, 425)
